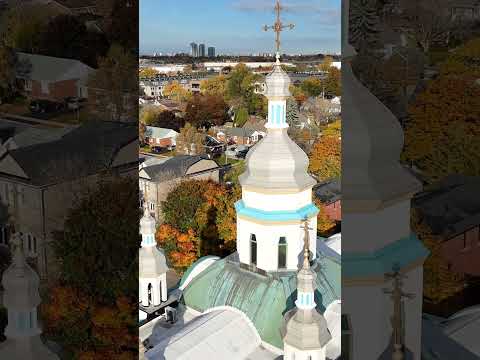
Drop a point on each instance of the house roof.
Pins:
(255, 123)
(174, 167)
(451, 207)
(76, 4)
(51, 68)
(84, 151)
(240, 132)
(328, 192)
(263, 299)
(160, 133)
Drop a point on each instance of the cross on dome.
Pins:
(278, 27)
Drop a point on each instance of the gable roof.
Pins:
(49, 68)
(240, 132)
(328, 192)
(160, 133)
(85, 151)
(174, 167)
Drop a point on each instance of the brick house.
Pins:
(52, 78)
(452, 211)
(158, 179)
(329, 193)
(156, 136)
(239, 136)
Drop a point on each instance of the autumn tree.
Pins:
(148, 72)
(326, 63)
(332, 84)
(439, 281)
(8, 65)
(181, 249)
(325, 224)
(205, 111)
(298, 94)
(189, 135)
(241, 116)
(113, 88)
(175, 91)
(325, 158)
(214, 86)
(442, 134)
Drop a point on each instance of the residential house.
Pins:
(330, 195)
(39, 183)
(452, 211)
(464, 10)
(156, 136)
(52, 78)
(157, 180)
(239, 136)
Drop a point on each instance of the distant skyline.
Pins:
(235, 26)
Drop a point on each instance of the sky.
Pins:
(235, 26)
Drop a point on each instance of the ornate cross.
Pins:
(306, 245)
(278, 27)
(397, 295)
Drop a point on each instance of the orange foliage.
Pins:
(325, 158)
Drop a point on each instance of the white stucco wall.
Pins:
(275, 202)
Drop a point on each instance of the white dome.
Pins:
(152, 262)
(277, 83)
(277, 162)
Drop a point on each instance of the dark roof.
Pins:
(173, 168)
(328, 192)
(235, 131)
(89, 149)
(76, 4)
(452, 206)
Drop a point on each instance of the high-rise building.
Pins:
(201, 50)
(211, 52)
(194, 49)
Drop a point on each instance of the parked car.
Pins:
(158, 149)
(242, 154)
(74, 103)
(44, 106)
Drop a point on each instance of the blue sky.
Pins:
(234, 26)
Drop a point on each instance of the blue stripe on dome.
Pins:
(285, 215)
(402, 252)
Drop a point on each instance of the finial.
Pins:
(278, 27)
(17, 244)
(306, 245)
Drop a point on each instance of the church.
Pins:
(279, 293)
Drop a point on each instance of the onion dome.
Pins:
(277, 162)
(277, 83)
(20, 281)
(152, 262)
(304, 327)
(147, 223)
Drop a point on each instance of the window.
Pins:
(4, 235)
(253, 249)
(28, 85)
(45, 88)
(464, 240)
(152, 206)
(282, 253)
(346, 337)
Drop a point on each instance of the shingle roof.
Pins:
(84, 151)
(53, 68)
(241, 132)
(452, 207)
(173, 168)
(160, 133)
(328, 192)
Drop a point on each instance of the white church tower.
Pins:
(152, 265)
(276, 191)
(376, 194)
(305, 331)
(21, 298)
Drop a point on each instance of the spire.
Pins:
(147, 228)
(21, 298)
(278, 27)
(306, 276)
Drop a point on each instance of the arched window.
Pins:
(282, 253)
(346, 338)
(253, 249)
(149, 294)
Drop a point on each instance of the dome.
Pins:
(277, 162)
(147, 223)
(152, 262)
(277, 83)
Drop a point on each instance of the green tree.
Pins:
(100, 235)
(312, 87)
(241, 116)
(292, 113)
(113, 88)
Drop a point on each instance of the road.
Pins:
(32, 121)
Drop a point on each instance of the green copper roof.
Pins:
(264, 299)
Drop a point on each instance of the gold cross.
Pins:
(306, 244)
(278, 27)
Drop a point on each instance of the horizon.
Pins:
(238, 30)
